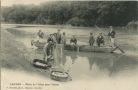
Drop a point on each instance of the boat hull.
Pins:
(81, 48)
(41, 64)
(87, 48)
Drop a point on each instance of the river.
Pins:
(89, 66)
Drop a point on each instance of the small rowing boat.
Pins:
(82, 48)
(87, 48)
(57, 74)
(41, 64)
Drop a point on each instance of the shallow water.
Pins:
(91, 65)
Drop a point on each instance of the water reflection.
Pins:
(97, 63)
(87, 64)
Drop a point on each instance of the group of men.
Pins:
(100, 39)
(53, 39)
(58, 38)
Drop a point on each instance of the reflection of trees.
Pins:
(60, 56)
(114, 63)
(124, 63)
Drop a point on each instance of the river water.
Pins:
(90, 65)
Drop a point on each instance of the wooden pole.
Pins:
(117, 47)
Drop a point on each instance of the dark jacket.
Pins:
(58, 37)
(49, 49)
(112, 34)
(100, 39)
(50, 39)
(73, 40)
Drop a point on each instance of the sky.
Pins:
(37, 2)
(11, 2)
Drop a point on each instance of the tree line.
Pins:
(76, 13)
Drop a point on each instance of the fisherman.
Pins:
(40, 34)
(54, 38)
(100, 40)
(111, 35)
(50, 38)
(91, 39)
(63, 39)
(48, 51)
(73, 42)
(58, 36)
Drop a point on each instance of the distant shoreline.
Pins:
(47, 25)
(62, 25)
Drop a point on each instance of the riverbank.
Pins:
(15, 56)
(12, 51)
(41, 83)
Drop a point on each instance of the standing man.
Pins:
(111, 35)
(55, 38)
(63, 38)
(58, 36)
(91, 39)
(48, 50)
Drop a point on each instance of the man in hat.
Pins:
(100, 40)
(111, 35)
(58, 36)
(63, 38)
(48, 50)
(91, 39)
(50, 38)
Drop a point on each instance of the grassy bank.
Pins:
(12, 53)
(15, 56)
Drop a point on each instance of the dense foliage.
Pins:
(77, 13)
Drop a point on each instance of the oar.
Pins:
(117, 47)
(78, 49)
(120, 49)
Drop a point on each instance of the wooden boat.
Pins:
(83, 48)
(41, 64)
(87, 48)
(59, 74)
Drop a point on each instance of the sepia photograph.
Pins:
(69, 45)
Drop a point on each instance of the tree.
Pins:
(78, 13)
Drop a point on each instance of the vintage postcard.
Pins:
(69, 45)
